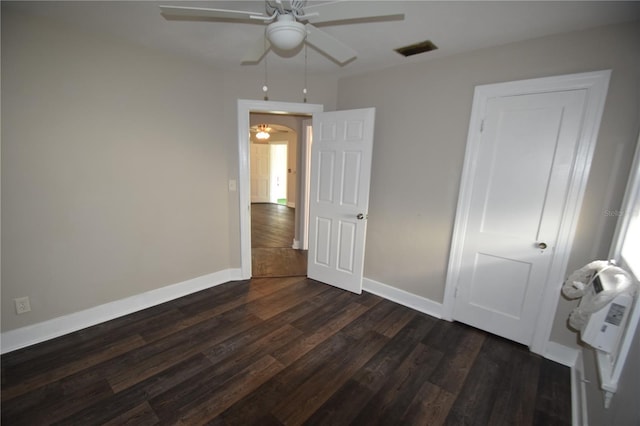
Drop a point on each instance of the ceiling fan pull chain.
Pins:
(265, 87)
(304, 90)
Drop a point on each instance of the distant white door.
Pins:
(278, 172)
(519, 188)
(339, 199)
(260, 173)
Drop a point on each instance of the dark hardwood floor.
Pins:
(272, 225)
(281, 351)
(272, 234)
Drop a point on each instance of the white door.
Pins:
(278, 172)
(260, 173)
(519, 189)
(339, 198)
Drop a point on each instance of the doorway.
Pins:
(274, 194)
(346, 251)
(272, 161)
(245, 108)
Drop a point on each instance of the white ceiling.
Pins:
(454, 26)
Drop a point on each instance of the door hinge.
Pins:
(455, 293)
(482, 126)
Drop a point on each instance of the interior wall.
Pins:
(116, 163)
(112, 170)
(422, 118)
(292, 168)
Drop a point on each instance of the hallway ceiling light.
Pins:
(263, 132)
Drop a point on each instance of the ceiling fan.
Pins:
(290, 23)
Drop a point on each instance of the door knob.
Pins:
(360, 216)
(542, 246)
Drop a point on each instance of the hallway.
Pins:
(272, 233)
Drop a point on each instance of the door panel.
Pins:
(346, 247)
(350, 179)
(326, 166)
(519, 189)
(340, 174)
(260, 173)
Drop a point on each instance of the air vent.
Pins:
(414, 49)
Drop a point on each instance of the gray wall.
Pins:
(112, 171)
(115, 167)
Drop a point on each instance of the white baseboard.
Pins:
(40, 332)
(579, 415)
(296, 244)
(410, 300)
(292, 205)
(561, 354)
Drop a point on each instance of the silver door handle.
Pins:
(360, 216)
(542, 246)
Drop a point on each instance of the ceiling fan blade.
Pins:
(204, 13)
(329, 45)
(353, 11)
(256, 52)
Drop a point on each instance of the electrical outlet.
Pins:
(22, 305)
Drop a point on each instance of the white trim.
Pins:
(304, 183)
(245, 107)
(56, 327)
(561, 354)
(596, 84)
(630, 200)
(410, 300)
(579, 415)
(291, 205)
(296, 244)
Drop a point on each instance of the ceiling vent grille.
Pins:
(416, 48)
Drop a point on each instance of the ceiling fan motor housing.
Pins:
(286, 33)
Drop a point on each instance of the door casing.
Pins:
(244, 108)
(596, 84)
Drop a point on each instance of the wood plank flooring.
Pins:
(278, 262)
(272, 233)
(281, 351)
(272, 225)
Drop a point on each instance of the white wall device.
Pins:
(605, 327)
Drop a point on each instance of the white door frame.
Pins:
(304, 176)
(245, 107)
(596, 84)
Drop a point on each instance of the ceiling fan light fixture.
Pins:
(262, 134)
(286, 34)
